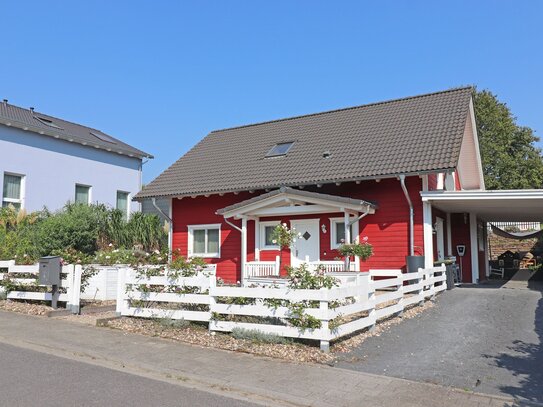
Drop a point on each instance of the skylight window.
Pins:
(47, 122)
(103, 137)
(280, 149)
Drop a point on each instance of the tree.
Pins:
(509, 156)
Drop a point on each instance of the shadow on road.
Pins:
(525, 360)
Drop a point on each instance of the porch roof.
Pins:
(286, 200)
(522, 205)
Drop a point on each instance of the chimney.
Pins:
(5, 101)
(31, 110)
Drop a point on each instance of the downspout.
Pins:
(231, 224)
(411, 216)
(170, 226)
(366, 212)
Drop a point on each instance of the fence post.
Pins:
(277, 265)
(121, 288)
(76, 288)
(212, 300)
(371, 300)
(433, 286)
(400, 289)
(323, 306)
(422, 274)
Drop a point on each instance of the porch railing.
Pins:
(263, 269)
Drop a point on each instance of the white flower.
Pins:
(294, 240)
(299, 235)
(284, 225)
(274, 241)
(110, 245)
(108, 257)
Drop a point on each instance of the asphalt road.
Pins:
(482, 339)
(29, 378)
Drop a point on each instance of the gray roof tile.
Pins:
(416, 134)
(59, 128)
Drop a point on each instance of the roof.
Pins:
(51, 126)
(411, 135)
(303, 195)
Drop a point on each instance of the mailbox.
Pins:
(50, 269)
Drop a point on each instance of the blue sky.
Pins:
(161, 74)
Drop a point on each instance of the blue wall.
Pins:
(52, 167)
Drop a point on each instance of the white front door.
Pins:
(306, 248)
(440, 239)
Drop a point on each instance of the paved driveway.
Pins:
(486, 339)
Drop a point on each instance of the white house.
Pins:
(47, 161)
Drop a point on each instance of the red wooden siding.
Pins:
(460, 235)
(387, 229)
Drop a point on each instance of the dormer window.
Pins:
(280, 149)
(103, 137)
(47, 122)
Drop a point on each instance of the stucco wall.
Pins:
(52, 168)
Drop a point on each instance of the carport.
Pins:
(453, 218)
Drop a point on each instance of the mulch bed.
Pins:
(27, 308)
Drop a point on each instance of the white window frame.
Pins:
(86, 186)
(333, 231)
(263, 226)
(22, 195)
(191, 229)
(127, 202)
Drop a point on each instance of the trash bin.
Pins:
(413, 263)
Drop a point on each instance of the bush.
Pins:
(257, 336)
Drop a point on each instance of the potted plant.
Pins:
(363, 250)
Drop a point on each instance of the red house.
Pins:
(406, 173)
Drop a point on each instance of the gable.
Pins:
(469, 162)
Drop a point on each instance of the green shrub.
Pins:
(173, 323)
(257, 336)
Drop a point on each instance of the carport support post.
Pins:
(474, 249)
(428, 235)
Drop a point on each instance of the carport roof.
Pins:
(521, 205)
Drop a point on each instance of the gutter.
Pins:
(411, 216)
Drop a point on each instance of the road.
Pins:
(482, 338)
(29, 378)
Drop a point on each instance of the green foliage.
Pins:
(257, 336)
(302, 278)
(78, 232)
(363, 250)
(283, 236)
(173, 323)
(509, 156)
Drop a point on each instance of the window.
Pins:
(122, 203)
(103, 137)
(280, 149)
(266, 231)
(337, 232)
(82, 194)
(13, 190)
(204, 240)
(47, 122)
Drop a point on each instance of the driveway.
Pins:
(482, 338)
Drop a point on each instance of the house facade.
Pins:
(47, 162)
(406, 174)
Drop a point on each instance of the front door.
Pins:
(306, 247)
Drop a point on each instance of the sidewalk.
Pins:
(260, 380)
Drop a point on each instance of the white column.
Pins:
(257, 239)
(487, 257)
(243, 246)
(449, 235)
(347, 230)
(428, 236)
(473, 247)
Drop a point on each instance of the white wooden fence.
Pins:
(26, 277)
(360, 301)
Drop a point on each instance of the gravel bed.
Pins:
(27, 308)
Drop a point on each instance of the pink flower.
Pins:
(365, 239)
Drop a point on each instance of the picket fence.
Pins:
(359, 302)
(27, 277)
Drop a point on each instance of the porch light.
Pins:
(323, 228)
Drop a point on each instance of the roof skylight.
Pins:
(47, 122)
(280, 149)
(103, 137)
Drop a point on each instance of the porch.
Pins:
(305, 212)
